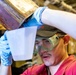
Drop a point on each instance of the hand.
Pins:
(6, 57)
(35, 19)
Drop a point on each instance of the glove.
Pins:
(6, 57)
(35, 19)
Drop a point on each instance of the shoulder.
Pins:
(34, 70)
(68, 67)
(71, 68)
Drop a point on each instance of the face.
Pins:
(51, 56)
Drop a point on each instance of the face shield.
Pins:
(47, 43)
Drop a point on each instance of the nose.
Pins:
(42, 51)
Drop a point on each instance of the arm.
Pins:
(6, 57)
(5, 70)
(62, 20)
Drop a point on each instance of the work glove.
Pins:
(35, 19)
(6, 57)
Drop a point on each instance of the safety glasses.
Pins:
(47, 43)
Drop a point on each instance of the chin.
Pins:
(48, 63)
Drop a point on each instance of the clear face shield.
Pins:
(47, 43)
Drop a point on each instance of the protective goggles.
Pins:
(47, 43)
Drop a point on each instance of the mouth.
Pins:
(45, 56)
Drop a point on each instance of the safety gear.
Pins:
(49, 43)
(50, 34)
(6, 57)
(35, 19)
(47, 31)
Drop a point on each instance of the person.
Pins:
(52, 48)
(55, 58)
